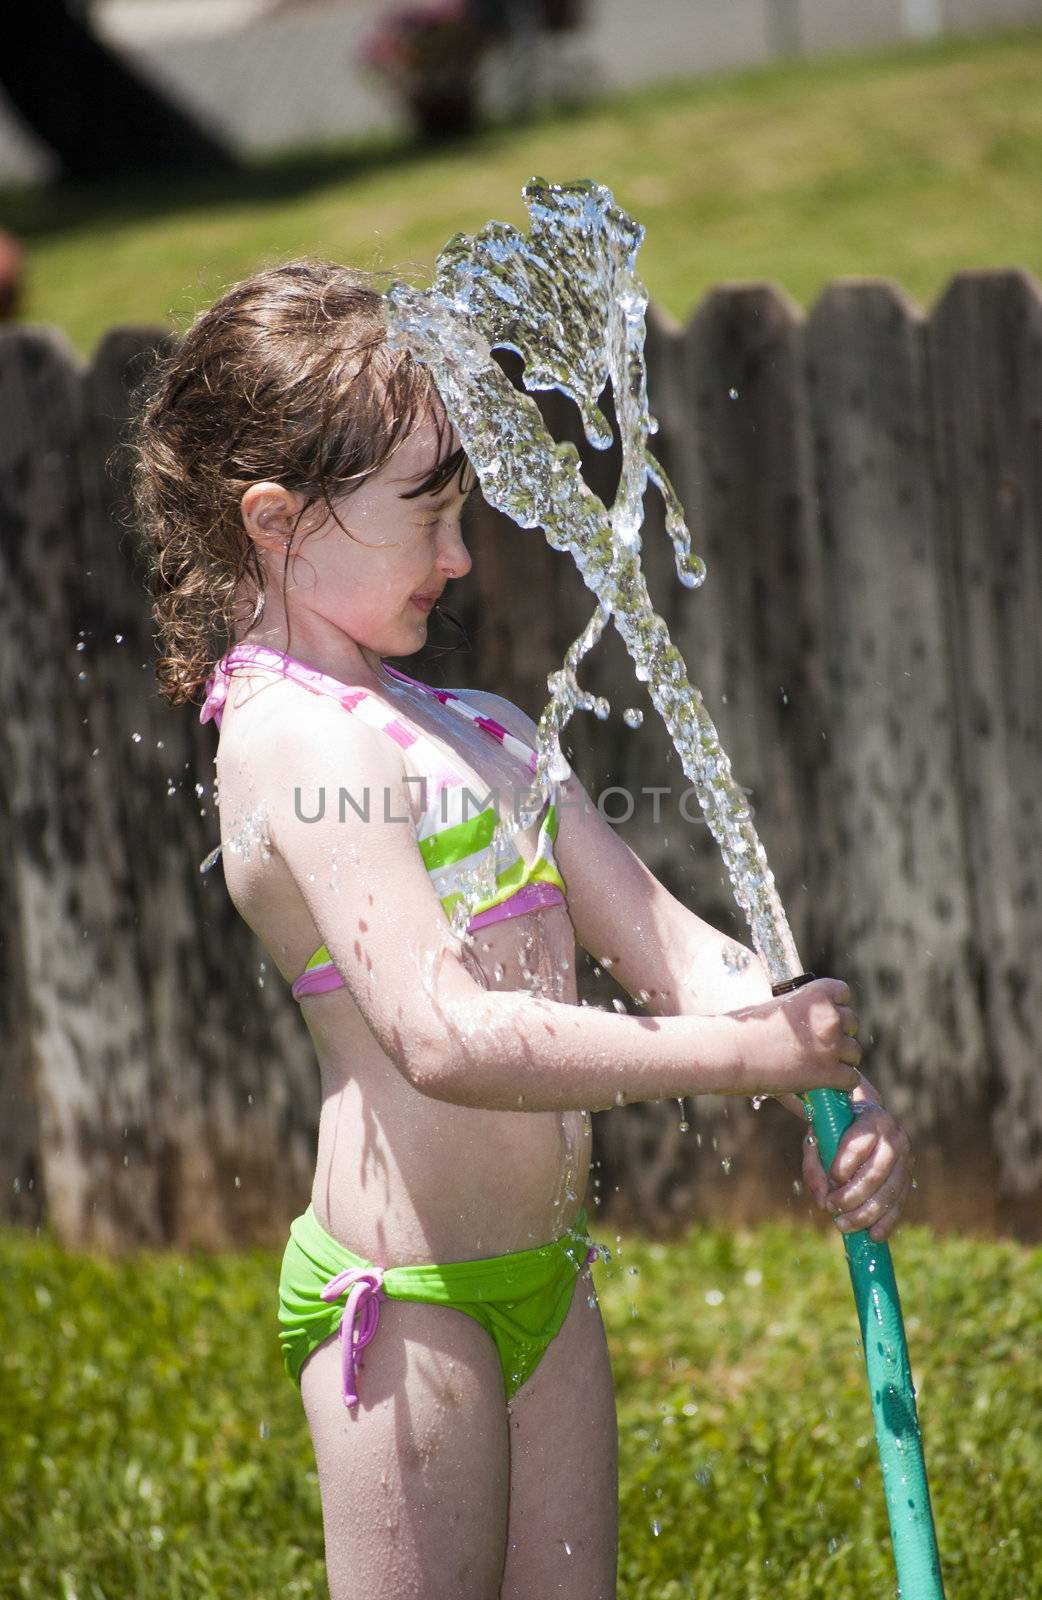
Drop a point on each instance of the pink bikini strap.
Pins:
(364, 1289)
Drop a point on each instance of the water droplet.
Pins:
(732, 394)
(633, 716)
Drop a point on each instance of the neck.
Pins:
(317, 643)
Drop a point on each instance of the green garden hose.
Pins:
(889, 1373)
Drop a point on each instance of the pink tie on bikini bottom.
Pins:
(364, 1289)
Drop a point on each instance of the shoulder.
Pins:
(282, 732)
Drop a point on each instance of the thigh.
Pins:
(564, 1492)
(415, 1481)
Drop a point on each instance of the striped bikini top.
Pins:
(478, 873)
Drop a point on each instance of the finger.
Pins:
(869, 1130)
(884, 1226)
(873, 1138)
(889, 1197)
(859, 1148)
(848, 1020)
(849, 1051)
(868, 1180)
(846, 1073)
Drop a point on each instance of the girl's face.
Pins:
(376, 568)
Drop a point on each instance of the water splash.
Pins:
(567, 299)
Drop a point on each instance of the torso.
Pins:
(400, 1177)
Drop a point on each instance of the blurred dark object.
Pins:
(88, 105)
(506, 17)
(430, 56)
(12, 275)
(560, 16)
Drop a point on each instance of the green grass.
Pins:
(913, 163)
(152, 1449)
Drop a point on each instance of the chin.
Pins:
(407, 643)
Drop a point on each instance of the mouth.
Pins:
(425, 602)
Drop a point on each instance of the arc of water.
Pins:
(567, 299)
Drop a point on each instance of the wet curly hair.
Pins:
(288, 377)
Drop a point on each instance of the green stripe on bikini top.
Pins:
(461, 839)
(472, 838)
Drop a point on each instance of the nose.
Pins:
(454, 558)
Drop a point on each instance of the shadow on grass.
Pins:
(38, 213)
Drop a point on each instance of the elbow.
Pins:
(460, 1050)
(446, 1074)
(423, 1060)
(428, 1070)
(432, 1063)
(460, 1062)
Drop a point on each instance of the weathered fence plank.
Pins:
(902, 925)
(84, 1015)
(865, 487)
(986, 352)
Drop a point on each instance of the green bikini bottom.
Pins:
(521, 1299)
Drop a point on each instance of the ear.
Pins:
(270, 513)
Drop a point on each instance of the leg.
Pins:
(415, 1481)
(564, 1488)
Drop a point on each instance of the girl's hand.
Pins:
(871, 1171)
(800, 1041)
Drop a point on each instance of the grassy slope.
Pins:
(911, 163)
(150, 1445)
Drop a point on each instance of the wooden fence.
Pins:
(865, 484)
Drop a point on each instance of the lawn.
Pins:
(913, 163)
(152, 1449)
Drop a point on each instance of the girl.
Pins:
(300, 489)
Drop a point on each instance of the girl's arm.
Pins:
(665, 956)
(673, 962)
(451, 1038)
